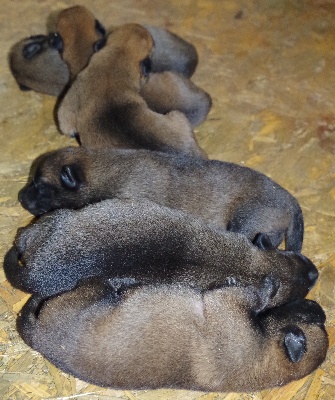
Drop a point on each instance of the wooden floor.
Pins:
(269, 66)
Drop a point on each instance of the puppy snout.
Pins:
(311, 270)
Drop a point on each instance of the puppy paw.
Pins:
(267, 291)
(295, 343)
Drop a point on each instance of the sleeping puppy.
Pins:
(119, 116)
(236, 198)
(36, 65)
(77, 34)
(145, 243)
(176, 337)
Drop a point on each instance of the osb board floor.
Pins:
(269, 66)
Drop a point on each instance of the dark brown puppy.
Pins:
(118, 116)
(174, 336)
(145, 243)
(236, 198)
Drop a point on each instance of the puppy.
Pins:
(146, 243)
(77, 34)
(236, 198)
(119, 116)
(176, 337)
(37, 66)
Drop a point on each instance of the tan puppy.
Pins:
(233, 197)
(77, 35)
(177, 337)
(118, 116)
(146, 243)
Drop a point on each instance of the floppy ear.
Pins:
(71, 176)
(31, 49)
(146, 66)
(55, 41)
(99, 44)
(100, 28)
(295, 344)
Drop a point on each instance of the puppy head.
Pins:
(77, 34)
(37, 66)
(56, 180)
(133, 44)
(299, 340)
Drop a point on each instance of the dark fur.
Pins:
(109, 111)
(149, 244)
(37, 66)
(177, 337)
(236, 198)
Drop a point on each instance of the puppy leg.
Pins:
(170, 132)
(171, 52)
(168, 91)
(66, 116)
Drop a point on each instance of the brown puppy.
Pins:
(119, 116)
(37, 66)
(236, 198)
(145, 243)
(77, 34)
(174, 336)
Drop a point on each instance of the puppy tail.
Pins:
(28, 317)
(295, 232)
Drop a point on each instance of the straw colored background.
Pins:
(269, 66)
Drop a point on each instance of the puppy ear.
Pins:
(100, 28)
(71, 176)
(146, 66)
(267, 290)
(295, 343)
(55, 41)
(99, 44)
(263, 242)
(30, 50)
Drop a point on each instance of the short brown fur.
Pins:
(173, 336)
(148, 243)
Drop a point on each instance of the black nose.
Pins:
(311, 270)
(19, 196)
(313, 275)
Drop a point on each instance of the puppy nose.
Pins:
(313, 275)
(312, 272)
(19, 196)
